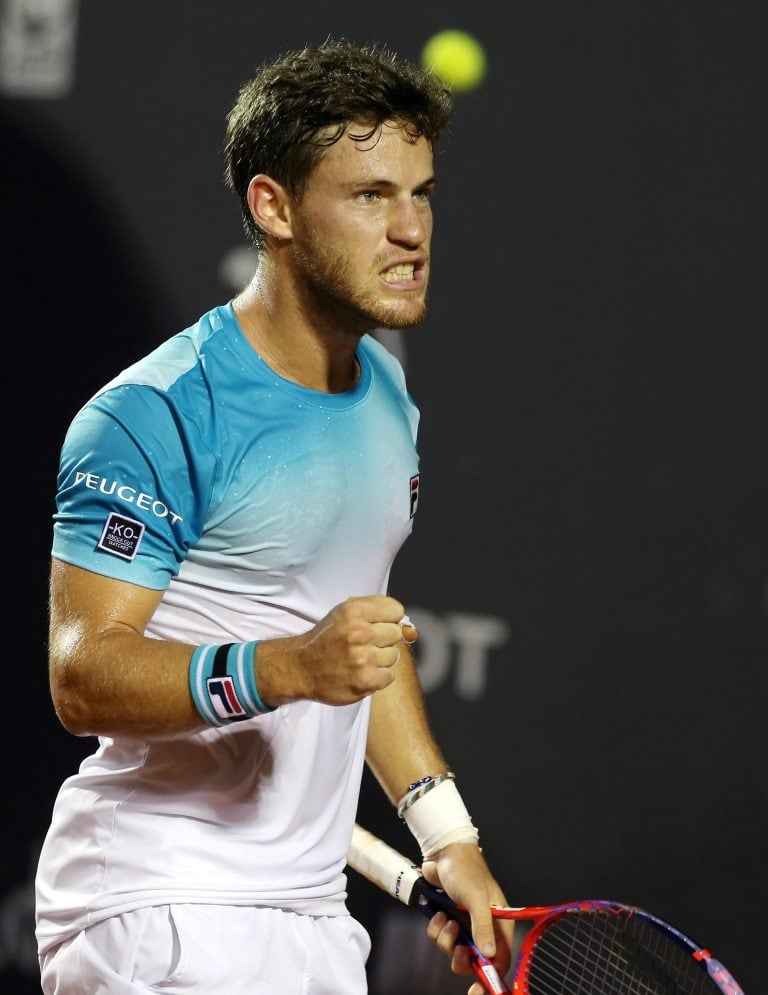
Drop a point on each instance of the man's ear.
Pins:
(270, 205)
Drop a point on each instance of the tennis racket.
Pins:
(590, 947)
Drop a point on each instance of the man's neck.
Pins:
(312, 353)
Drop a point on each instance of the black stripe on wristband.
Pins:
(219, 668)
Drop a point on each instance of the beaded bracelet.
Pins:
(420, 788)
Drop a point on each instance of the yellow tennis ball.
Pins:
(456, 57)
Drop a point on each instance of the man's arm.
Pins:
(108, 678)
(401, 747)
(402, 750)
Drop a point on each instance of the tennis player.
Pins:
(228, 512)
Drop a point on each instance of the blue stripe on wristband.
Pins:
(200, 667)
(243, 663)
(222, 681)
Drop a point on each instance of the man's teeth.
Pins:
(403, 271)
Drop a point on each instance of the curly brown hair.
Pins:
(302, 102)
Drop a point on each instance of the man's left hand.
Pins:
(461, 871)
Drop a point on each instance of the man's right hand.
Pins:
(348, 655)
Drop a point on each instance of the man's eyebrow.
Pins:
(382, 184)
(428, 184)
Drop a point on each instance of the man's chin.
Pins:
(399, 318)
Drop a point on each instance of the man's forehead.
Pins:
(364, 148)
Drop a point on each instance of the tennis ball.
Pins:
(456, 57)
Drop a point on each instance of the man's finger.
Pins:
(460, 962)
(482, 931)
(380, 608)
(386, 634)
(409, 631)
(445, 934)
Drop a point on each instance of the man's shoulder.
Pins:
(170, 362)
(172, 381)
(175, 357)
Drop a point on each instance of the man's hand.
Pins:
(461, 871)
(348, 655)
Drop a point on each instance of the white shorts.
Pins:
(211, 950)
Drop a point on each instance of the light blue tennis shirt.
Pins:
(255, 505)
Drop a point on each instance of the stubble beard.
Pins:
(330, 290)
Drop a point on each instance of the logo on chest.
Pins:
(414, 494)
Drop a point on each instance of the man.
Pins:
(228, 512)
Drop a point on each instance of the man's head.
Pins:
(299, 105)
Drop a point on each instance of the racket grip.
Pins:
(382, 865)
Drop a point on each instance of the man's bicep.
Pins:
(85, 605)
(106, 677)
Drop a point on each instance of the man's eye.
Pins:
(368, 196)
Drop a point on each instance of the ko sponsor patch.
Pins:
(121, 536)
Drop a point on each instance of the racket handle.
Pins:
(382, 865)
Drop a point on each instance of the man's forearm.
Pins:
(401, 747)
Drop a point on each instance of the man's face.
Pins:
(362, 229)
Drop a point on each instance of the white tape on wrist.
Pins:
(439, 818)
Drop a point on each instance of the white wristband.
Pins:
(438, 818)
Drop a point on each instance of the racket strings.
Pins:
(611, 954)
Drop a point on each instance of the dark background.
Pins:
(590, 558)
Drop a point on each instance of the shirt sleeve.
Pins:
(134, 485)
